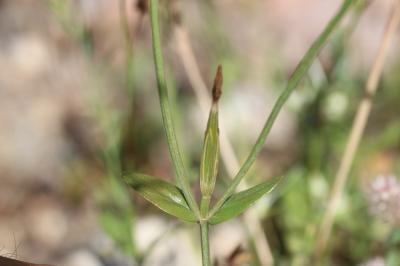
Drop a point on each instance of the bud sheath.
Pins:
(210, 155)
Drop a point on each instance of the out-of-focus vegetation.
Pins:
(95, 93)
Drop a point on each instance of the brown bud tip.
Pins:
(142, 6)
(217, 88)
(176, 13)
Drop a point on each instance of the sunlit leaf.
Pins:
(162, 194)
(239, 202)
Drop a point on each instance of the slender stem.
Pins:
(205, 244)
(357, 130)
(294, 80)
(229, 158)
(181, 173)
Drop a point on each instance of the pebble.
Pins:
(147, 230)
(81, 258)
(48, 223)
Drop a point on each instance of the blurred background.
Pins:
(78, 105)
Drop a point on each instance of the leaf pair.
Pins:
(170, 199)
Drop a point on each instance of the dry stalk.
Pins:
(357, 130)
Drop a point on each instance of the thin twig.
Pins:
(357, 130)
(229, 158)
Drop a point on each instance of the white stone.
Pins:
(226, 237)
(177, 248)
(48, 225)
(147, 230)
(30, 54)
(81, 258)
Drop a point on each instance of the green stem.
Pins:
(181, 174)
(204, 206)
(294, 80)
(205, 244)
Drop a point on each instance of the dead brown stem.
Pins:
(357, 130)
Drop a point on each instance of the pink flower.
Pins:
(385, 198)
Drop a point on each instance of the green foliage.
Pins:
(118, 224)
(241, 201)
(162, 194)
(209, 158)
(166, 111)
(393, 258)
(210, 155)
(116, 214)
(293, 82)
(299, 214)
(180, 202)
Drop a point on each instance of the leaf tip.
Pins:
(217, 88)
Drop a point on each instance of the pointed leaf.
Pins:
(239, 202)
(162, 194)
(210, 155)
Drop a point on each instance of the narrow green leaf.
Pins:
(117, 223)
(116, 213)
(239, 202)
(294, 80)
(210, 155)
(162, 194)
